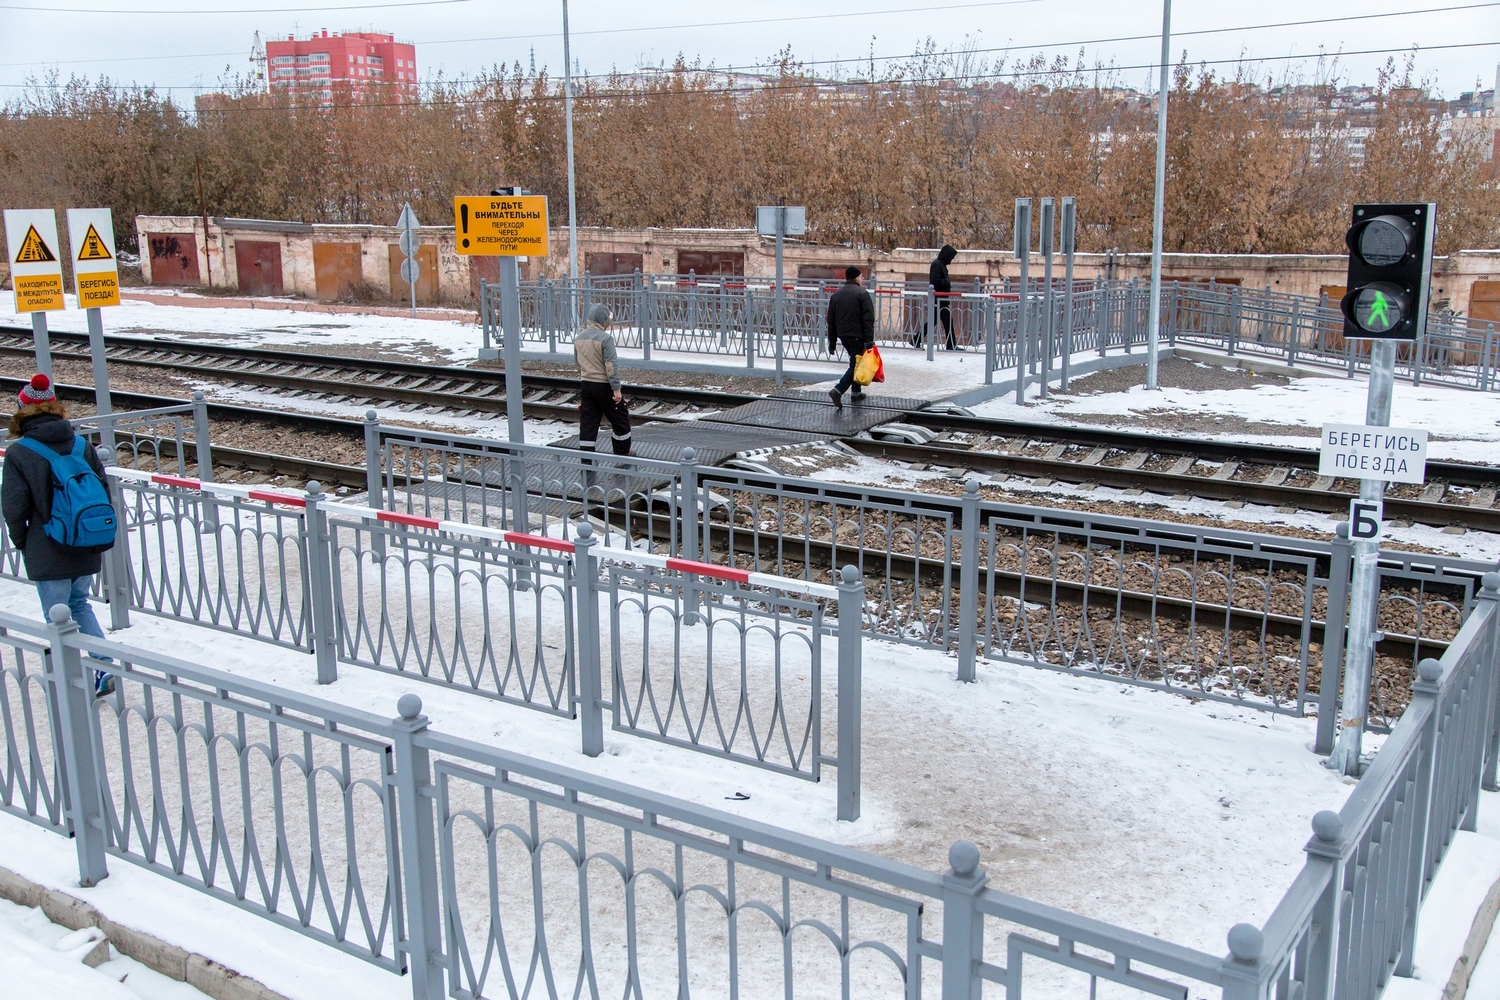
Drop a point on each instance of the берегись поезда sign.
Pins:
(1361, 451)
(502, 225)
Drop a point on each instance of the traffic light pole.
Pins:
(1364, 593)
(1158, 214)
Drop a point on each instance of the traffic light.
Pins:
(1390, 270)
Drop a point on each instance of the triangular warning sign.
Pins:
(93, 246)
(34, 249)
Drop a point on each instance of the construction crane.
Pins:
(258, 59)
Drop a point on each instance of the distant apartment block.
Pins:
(354, 61)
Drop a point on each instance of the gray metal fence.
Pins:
(1190, 608)
(483, 873)
(733, 316)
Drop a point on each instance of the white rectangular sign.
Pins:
(35, 259)
(1366, 520)
(91, 233)
(796, 220)
(1359, 451)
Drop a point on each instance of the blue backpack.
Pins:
(82, 516)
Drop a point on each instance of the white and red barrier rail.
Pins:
(516, 538)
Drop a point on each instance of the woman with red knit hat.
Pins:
(42, 444)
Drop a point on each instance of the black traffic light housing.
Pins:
(1390, 271)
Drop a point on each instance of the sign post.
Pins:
(410, 269)
(1069, 221)
(1048, 227)
(508, 223)
(1023, 304)
(35, 273)
(1390, 269)
(780, 221)
(91, 235)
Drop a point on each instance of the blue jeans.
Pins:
(75, 594)
(847, 380)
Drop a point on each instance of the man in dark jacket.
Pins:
(62, 574)
(937, 277)
(851, 322)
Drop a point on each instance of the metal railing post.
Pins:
(687, 527)
(1490, 591)
(1241, 969)
(116, 562)
(1327, 847)
(74, 691)
(484, 315)
(991, 323)
(1487, 373)
(1293, 332)
(590, 669)
(320, 585)
(1335, 620)
(649, 332)
(418, 839)
(374, 488)
(963, 924)
(968, 581)
(749, 327)
(203, 451)
(1234, 317)
(1426, 688)
(851, 688)
(932, 317)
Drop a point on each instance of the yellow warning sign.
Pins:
(39, 293)
(34, 249)
(93, 247)
(101, 288)
(502, 225)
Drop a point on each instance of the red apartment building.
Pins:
(316, 66)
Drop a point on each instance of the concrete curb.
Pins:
(1479, 933)
(204, 974)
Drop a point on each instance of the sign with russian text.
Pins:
(502, 225)
(1366, 520)
(35, 263)
(1359, 451)
(91, 233)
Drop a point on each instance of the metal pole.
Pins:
(1333, 639)
(968, 582)
(1069, 220)
(1365, 591)
(321, 556)
(101, 378)
(851, 588)
(510, 325)
(590, 669)
(568, 128)
(42, 342)
(419, 867)
(780, 293)
(1048, 225)
(1159, 212)
(1023, 251)
(72, 693)
(411, 241)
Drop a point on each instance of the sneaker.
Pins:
(104, 683)
(838, 400)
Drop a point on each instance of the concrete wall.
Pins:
(1302, 274)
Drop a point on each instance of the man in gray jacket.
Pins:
(599, 393)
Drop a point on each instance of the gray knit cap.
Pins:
(600, 316)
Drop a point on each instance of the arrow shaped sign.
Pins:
(408, 218)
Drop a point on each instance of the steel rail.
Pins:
(1173, 484)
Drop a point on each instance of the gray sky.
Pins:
(191, 47)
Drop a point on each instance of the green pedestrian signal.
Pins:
(1378, 309)
(1390, 270)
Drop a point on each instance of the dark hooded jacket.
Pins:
(26, 496)
(851, 319)
(937, 274)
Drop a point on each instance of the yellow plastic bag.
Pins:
(865, 367)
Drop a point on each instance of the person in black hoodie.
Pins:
(62, 574)
(851, 322)
(937, 277)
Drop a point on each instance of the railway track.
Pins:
(1456, 494)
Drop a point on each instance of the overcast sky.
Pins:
(191, 44)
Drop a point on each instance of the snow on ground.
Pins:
(1479, 545)
(1465, 424)
(271, 327)
(41, 959)
(1469, 871)
(1141, 808)
(908, 373)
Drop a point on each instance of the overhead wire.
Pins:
(805, 83)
